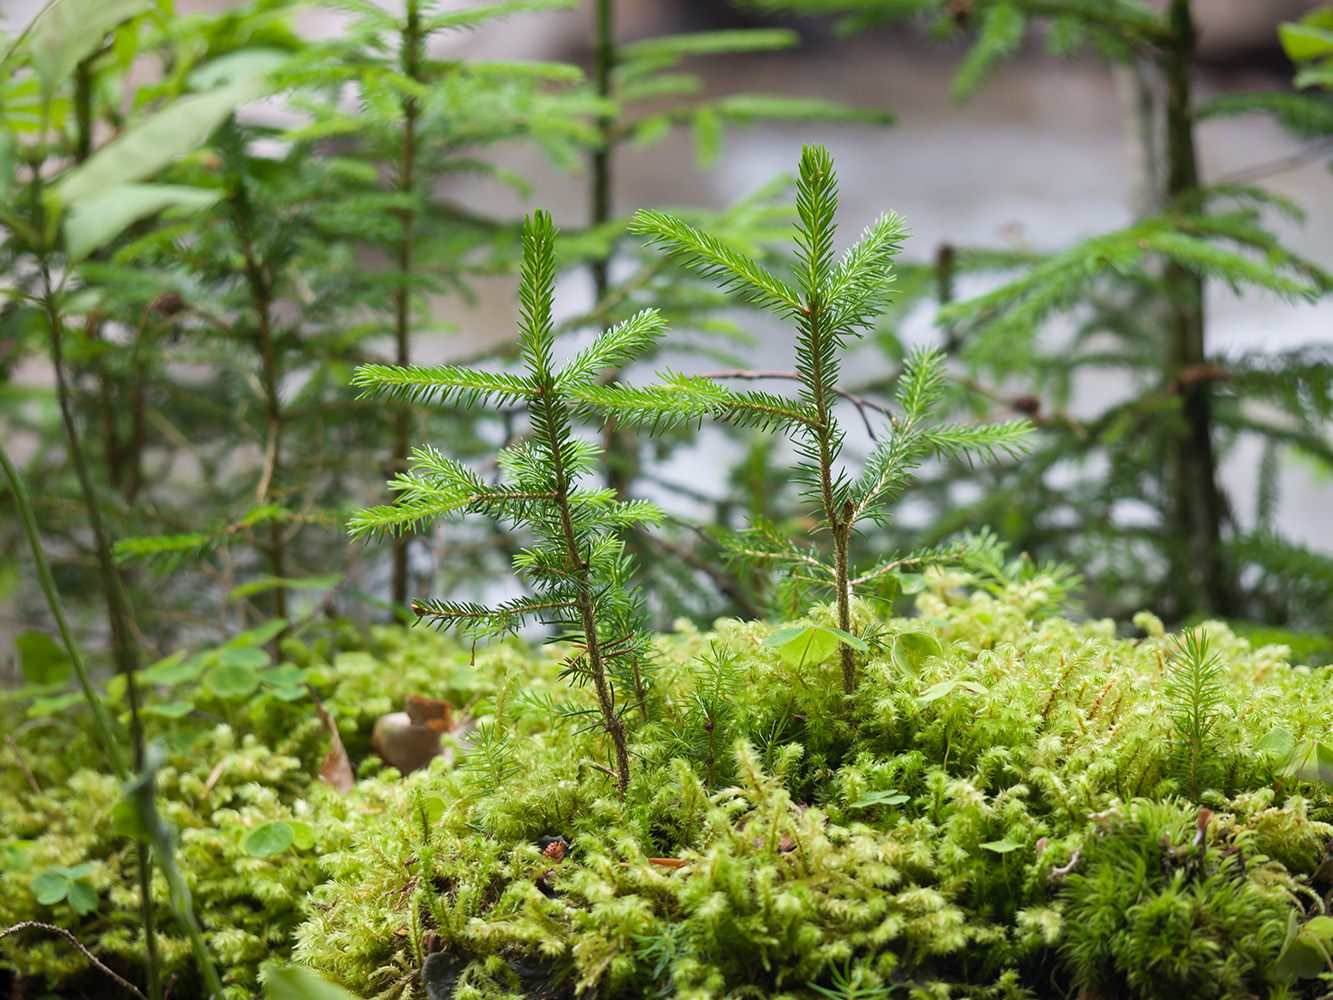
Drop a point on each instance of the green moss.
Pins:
(893, 838)
(1142, 923)
(247, 906)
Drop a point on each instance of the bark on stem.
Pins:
(402, 306)
(612, 722)
(839, 520)
(261, 300)
(1200, 568)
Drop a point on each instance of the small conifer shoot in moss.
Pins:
(834, 300)
(577, 568)
(1195, 692)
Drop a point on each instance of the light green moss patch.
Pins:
(775, 837)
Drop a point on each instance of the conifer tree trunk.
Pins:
(1199, 569)
(621, 448)
(402, 305)
(261, 300)
(603, 57)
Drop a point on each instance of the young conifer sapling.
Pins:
(576, 566)
(834, 299)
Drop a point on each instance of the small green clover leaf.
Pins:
(1304, 760)
(231, 681)
(57, 883)
(303, 835)
(885, 797)
(49, 887)
(805, 646)
(82, 898)
(42, 707)
(1277, 742)
(433, 806)
(271, 838)
(259, 635)
(936, 691)
(292, 982)
(1002, 848)
(1308, 948)
(244, 657)
(14, 856)
(1309, 760)
(171, 710)
(910, 650)
(175, 669)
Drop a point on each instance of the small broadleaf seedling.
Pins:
(802, 647)
(60, 883)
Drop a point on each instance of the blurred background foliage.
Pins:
(211, 218)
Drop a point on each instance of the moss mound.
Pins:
(1010, 818)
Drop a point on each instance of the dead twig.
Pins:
(604, 770)
(1294, 162)
(32, 782)
(723, 580)
(860, 402)
(77, 944)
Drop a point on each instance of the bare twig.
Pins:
(74, 941)
(23, 763)
(860, 402)
(1058, 874)
(1297, 160)
(270, 461)
(1029, 406)
(32, 782)
(605, 770)
(724, 581)
(897, 564)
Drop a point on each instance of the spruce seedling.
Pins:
(708, 732)
(1195, 692)
(834, 300)
(1139, 300)
(577, 567)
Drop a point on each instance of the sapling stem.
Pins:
(101, 721)
(260, 286)
(141, 791)
(603, 57)
(614, 725)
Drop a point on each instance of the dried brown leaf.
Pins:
(337, 768)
